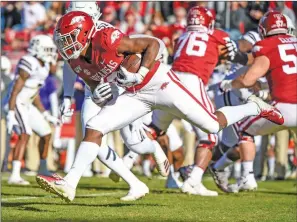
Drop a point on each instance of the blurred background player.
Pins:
(232, 137)
(25, 108)
(272, 61)
(200, 43)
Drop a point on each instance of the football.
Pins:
(132, 62)
(222, 52)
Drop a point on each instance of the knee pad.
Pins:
(245, 137)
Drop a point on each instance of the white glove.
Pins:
(231, 47)
(66, 111)
(53, 120)
(128, 79)
(102, 94)
(226, 85)
(11, 121)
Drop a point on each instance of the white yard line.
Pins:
(81, 195)
(18, 198)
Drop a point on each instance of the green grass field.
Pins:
(98, 200)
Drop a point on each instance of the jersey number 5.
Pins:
(292, 58)
(196, 45)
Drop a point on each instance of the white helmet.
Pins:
(43, 48)
(291, 27)
(90, 8)
(5, 66)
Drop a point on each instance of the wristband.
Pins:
(143, 71)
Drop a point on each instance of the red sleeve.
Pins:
(260, 49)
(108, 38)
(220, 36)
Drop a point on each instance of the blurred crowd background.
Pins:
(166, 20)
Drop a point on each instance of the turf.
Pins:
(98, 200)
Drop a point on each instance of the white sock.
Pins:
(223, 162)
(70, 155)
(43, 165)
(271, 166)
(234, 114)
(129, 159)
(196, 176)
(88, 171)
(86, 154)
(247, 167)
(176, 175)
(16, 169)
(146, 165)
(237, 170)
(110, 158)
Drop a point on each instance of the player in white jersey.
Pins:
(133, 135)
(26, 113)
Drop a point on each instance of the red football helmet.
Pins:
(272, 23)
(200, 19)
(72, 33)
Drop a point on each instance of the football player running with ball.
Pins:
(153, 86)
(133, 135)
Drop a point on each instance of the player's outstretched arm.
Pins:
(257, 70)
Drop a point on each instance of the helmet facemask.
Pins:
(68, 45)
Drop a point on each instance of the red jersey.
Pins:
(198, 53)
(281, 50)
(105, 59)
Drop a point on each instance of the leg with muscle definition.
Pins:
(110, 118)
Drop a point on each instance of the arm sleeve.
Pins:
(54, 104)
(69, 78)
(109, 38)
(260, 49)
